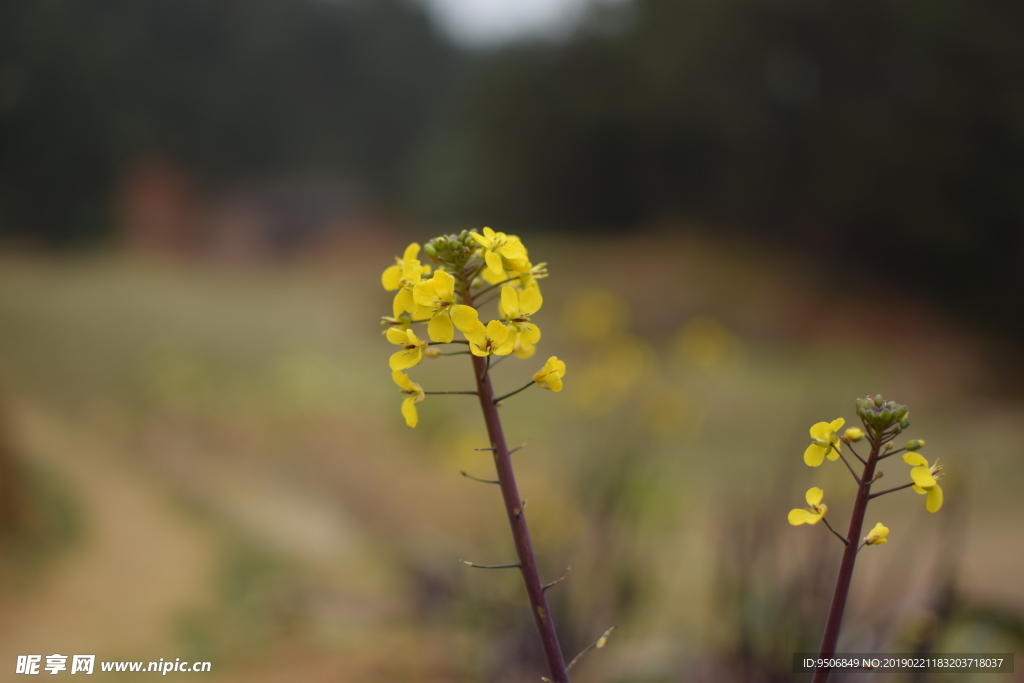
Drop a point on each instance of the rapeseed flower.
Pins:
(435, 297)
(415, 395)
(501, 249)
(492, 339)
(550, 376)
(812, 514)
(412, 348)
(825, 441)
(517, 307)
(926, 479)
(877, 536)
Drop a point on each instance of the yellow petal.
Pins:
(934, 500)
(425, 293)
(392, 277)
(480, 239)
(820, 430)
(402, 380)
(494, 263)
(403, 302)
(411, 252)
(530, 301)
(465, 317)
(919, 489)
(530, 332)
(922, 476)
(833, 452)
(409, 411)
(815, 517)
(496, 331)
(915, 459)
(440, 328)
(814, 455)
(814, 496)
(444, 283)
(509, 302)
(489, 234)
(397, 336)
(837, 424)
(798, 517)
(402, 360)
(504, 348)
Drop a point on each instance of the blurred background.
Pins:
(753, 212)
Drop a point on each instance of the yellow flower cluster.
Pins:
(467, 268)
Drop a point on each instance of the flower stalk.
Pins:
(517, 522)
(883, 422)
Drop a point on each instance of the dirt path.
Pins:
(118, 593)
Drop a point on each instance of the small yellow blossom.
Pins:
(498, 245)
(825, 440)
(412, 351)
(412, 275)
(853, 434)
(415, 395)
(877, 536)
(550, 376)
(926, 479)
(493, 339)
(812, 514)
(392, 277)
(435, 297)
(517, 307)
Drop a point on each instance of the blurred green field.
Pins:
(208, 462)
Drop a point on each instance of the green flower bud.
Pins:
(914, 445)
(430, 249)
(905, 424)
(879, 401)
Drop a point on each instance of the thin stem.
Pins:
(455, 353)
(897, 488)
(838, 535)
(496, 284)
(835, 613)
(513, 393)
(451, 392)
(558, 581)
(487, 369)
(511, 565)
(499, 361)
(862, 461)
(485, 301)
(847, 463)
(890, 453)
(517, 522)
(597, 644)
(467, 475)
(453, 341)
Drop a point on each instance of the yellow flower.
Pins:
(854, 434)
(412, 351)
(877, 536)
(926, 479)
(498, 245)
(412, 274)
(435, 297)
(517, 307)
(550, 376)
(494, 339)
(415, 395)
(392, 276)
(812, 514)
(825, 438)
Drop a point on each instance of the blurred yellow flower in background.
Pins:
(812, 514)
(825, 441)
(706, 344)
(596, 314)
(415, 395)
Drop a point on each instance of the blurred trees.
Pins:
(228, 88)
(807, 125)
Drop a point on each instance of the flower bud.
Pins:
(854, 434)
(430, 249)
(914, 444)
(879, 401)
(431, 352)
